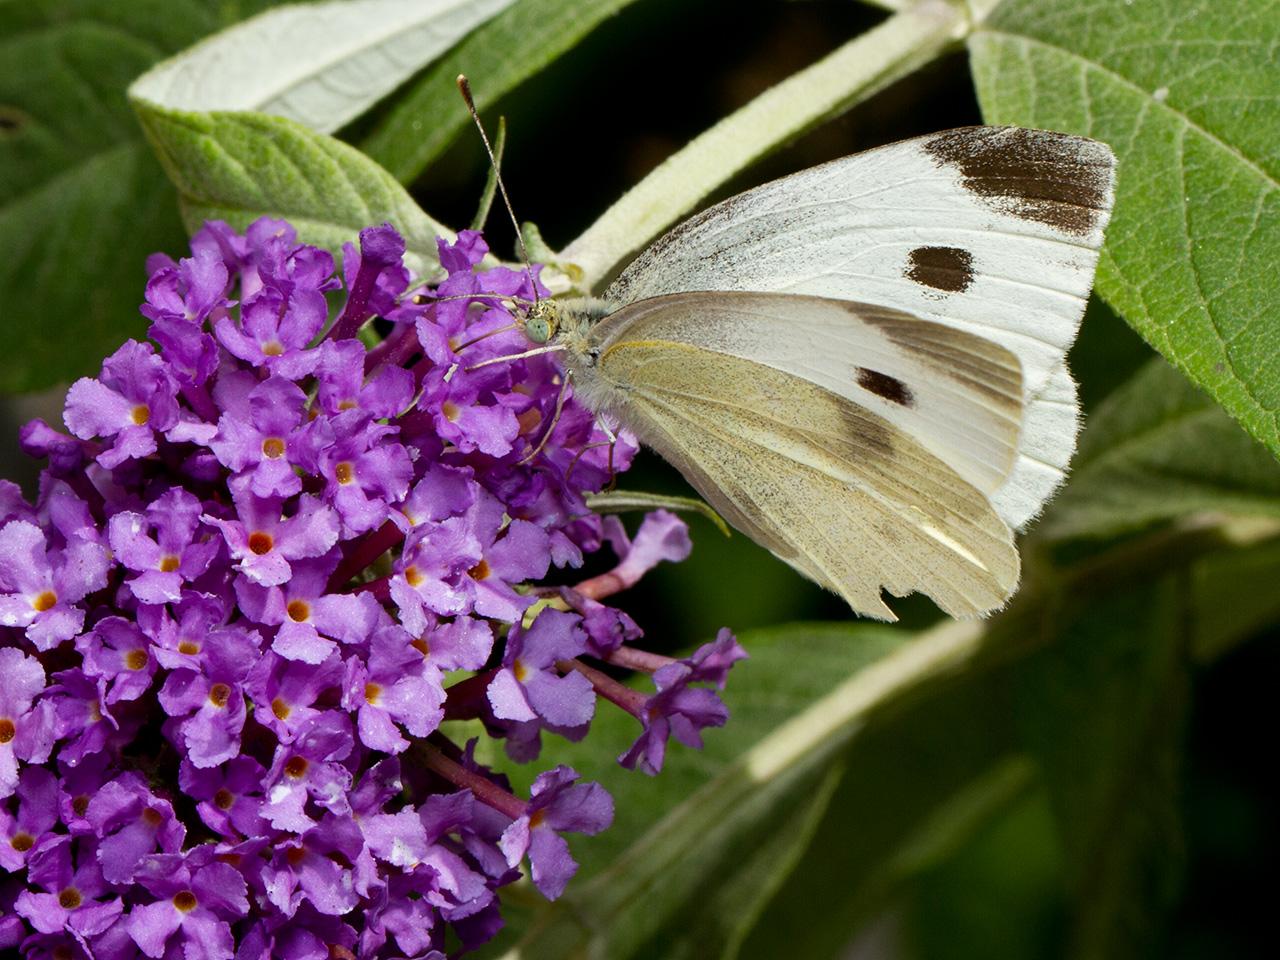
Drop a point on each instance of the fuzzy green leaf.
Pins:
(240, 166)
(1187, 92)
(1158, 449)
(496, 58)
(82, 201)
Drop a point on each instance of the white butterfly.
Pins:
(861, 366)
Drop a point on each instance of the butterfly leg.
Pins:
(555, 418)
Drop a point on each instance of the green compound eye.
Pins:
(537, 329)
(541, 324)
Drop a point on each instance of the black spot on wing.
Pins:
(883, 385)
(949, 269)
(1052, 178)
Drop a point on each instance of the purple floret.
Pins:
(529, 685)
(196, 900)
(135, 398)
(681, 710)
(40, 589)
(164, 547)
(558, 802)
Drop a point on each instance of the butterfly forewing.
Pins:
(993, 230)
(834, 489)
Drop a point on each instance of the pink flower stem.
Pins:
(642, 660)
(604, 585)
(199, 400)
(380, 588)
(483, 789)
(364, 552)
(394, 351)
(616, 693)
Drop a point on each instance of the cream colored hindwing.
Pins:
(840, 493)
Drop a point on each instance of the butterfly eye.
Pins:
(541, 324)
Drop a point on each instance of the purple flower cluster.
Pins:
(273, 555)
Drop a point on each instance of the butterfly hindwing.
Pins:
(834, 489)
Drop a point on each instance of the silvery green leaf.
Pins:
(321, 64)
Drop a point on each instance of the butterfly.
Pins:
(862, 366)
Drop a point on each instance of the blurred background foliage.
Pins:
(1092, 782)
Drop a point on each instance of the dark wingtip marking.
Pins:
(883, 385)
(1052, 178)
(949, 269)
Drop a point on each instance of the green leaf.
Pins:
(496, 58)
(1187, 92)
(1103, 710)
(321, 65)
(240, 166)
(918, 781)
(1233, 596)
(1158, 449)
(82, 201)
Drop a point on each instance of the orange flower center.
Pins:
(450, 411)
(189, 647)
(185, 901)
(135, 659)
(273, 348)
(140, 414)
(169, 563)
(529, 419)
(299, 611)
(296, 767)
(8, 730)
(69, 898)
(223, 799)
(281, 709)
(45, 601)
(480, 570)
(219, 694)
(412, 576)
(372, 692)
(22, 842)
(260, 542)
(345, 472)
(273, 448)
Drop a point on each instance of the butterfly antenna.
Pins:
(464, 87)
